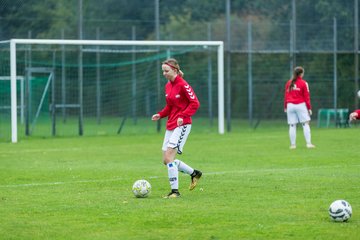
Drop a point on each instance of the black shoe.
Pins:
(195, 176)
(173, 194)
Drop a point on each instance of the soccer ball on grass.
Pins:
(340, 211)
(141, 188)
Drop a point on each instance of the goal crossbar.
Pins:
(13, 74)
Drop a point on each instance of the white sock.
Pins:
(173, 175)
(307, 133)
(292, 134)
(183, 167)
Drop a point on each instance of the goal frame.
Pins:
(13, 74)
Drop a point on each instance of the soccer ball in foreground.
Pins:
(141, 188)
(358, 94)
(340, 211)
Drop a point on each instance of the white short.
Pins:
(176, 138)
(297, 113)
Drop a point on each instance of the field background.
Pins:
(254, 187)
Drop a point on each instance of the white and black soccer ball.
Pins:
(340, 211)
(141, 188)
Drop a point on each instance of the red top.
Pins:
(299, 94)
(358, 112)
(181, 102)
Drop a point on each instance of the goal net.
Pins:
(94, 87)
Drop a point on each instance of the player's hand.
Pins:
(310, 112)
(284, 110)
(155, 117)
(180, 121)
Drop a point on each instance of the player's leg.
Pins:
(292, 121)
(195, 174)
(307, 134)
(169, 154)
(183, 167)
(178, 139)
(292, 135)
(304, 118)
(173, 173)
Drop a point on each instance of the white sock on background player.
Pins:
(307, 133)
(292, 134)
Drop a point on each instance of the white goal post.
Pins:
(13, 72)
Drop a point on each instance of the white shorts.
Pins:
(176, 138)
(297, 113)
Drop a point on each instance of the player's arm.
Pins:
(307, 97)
(164, 112)
(286, 96)
(194, 103)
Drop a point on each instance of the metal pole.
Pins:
(98, 85)
(291, 49)
(335, 70)
(29, 95)
(133, 82)
(228, 65)
(80, 75)
(250, 80)
(80, 19)
(80, 69)
(27, 101)
(63, 78)
(294, 32)
(158, 81)
(53, 104)
(356, 51)
(157, 20)
(210, 110)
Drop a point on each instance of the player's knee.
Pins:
(305, 123)
(167, 158)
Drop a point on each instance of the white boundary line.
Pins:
(155, 177)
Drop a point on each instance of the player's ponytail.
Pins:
(297, 73)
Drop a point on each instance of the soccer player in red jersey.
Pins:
(355, 115)
(298, 107)
(181, 104)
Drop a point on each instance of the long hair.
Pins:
(297, 73)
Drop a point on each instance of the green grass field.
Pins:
(254, 187)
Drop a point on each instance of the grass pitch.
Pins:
(253, 187)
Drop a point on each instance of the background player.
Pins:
(298, 107)
(355, 115)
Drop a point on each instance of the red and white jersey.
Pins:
(358, 112)
(181, 102)
(299, 94)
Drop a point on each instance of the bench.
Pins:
(325, 115)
